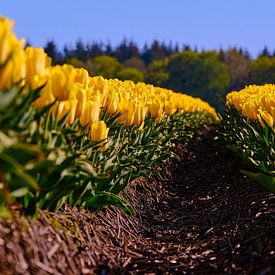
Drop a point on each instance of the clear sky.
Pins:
(208, 24)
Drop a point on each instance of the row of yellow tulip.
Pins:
(82, 96)
(255, 102)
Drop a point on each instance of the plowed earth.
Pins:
(203, 217)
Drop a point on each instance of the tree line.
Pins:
(206, 74)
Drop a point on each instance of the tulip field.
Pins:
(70, 138)
(248, 129)
(67, 138)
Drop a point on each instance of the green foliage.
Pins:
(253, 143)
(263, 70)
(77, 63)
(202, 75)
(104, 65)
(130, 74)
(239, 68)
(265, 180)
(135, 62)
(156, 73)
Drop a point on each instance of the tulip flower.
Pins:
(111, 101)
(8, 40)
(169, 108)
(126, 109)
(62, 81)
(36, 62)
(267, 118)
(63, 109)
(14, 70)
(98, 83)
(81, 76)
(46, 96)
(249, 111)
(156, 108)
(79, 92)
(73, 108)
(91, 113)
(99, 132)
(139, 114)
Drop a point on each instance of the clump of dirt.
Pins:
(204, 217)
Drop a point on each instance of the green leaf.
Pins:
(106, 198)
(265, 180)
(8, 97)
(19, 192)
(8, 164)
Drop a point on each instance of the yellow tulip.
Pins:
(156, 108)
(14, 71)
(249, 111)
(123, 108)
(63, 109)
(80, 93)
(159, 117)
(99, 132)
(46, 97)
(169, 108)
(267, 118)
(8, 40)
(111, 101)
(62, 81)
(129, 114)
(81, 76)
(91, 113)
(254, 102)
(98, 83)
(36, 63)
(273, 113)
(54, 108)
(73, 108)
(139, 114)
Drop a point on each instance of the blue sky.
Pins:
(208, 24)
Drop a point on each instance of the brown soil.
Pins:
(204, 217)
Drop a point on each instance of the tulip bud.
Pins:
(248, 110)
(91, 113)
(98, 83)
(73, 108)
(111, 101)
(139, 114)
(36, 63)
(14, 71)
(156, 108)
(129, 115)
(62, 81)
(170, 108)
(159, 117)
(80, 93)
(8, 40)
(99, 132)
(63, 109)
(81, 76)
(46, 96)
(267, 118)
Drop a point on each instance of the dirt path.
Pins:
(204, 218)
(209, 219)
